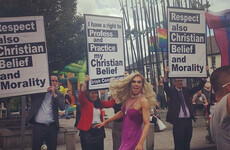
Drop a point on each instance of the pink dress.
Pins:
(131, 129)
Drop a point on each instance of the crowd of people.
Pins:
(133, 98)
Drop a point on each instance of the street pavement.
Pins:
(162, 140)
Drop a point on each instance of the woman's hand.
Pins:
(83, 86)
(87, 78)
(100, 125)
(166, 73)
(139, 147)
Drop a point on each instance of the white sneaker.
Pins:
(44, 147)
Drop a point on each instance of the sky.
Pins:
(112, 7)
(99, 7)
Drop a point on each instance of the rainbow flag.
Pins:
(220, 23)
(162, 37)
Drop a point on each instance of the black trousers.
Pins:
(197, 106)
(163, 103)
(78, 116)
(99, 145)
(182, 134)
(116, 134)
(43, 133)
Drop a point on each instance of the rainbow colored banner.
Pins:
(161, 40)
(220, 23)
(162, 37)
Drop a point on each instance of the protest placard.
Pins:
(23, 56)
(186, 43)
(105, 51)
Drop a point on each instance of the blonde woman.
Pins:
(137, 97)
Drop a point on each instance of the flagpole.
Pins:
(139, 38)
(210, 40)
(151, 27)
(143, 38)
(130, 38)
(168, 4)
(166, 26)
(186, 4)
(154, 40)
(126, 42)
(162, 53)
(136, 38)
(147, 37)
(163, 13)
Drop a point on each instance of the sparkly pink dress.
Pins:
(131, 129)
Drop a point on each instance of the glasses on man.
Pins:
(226, 84)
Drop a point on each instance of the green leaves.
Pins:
(65, 35)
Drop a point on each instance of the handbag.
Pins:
(161, 124)
(94, 135)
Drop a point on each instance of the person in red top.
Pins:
(91, 114)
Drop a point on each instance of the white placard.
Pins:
(186, 43)
(23, 56)
(105, 50)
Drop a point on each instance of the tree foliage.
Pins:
(64, 28)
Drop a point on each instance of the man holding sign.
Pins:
(180, 117)
(44, 116)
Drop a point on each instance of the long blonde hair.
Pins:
(120, 89)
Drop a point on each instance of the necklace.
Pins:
(133, 102)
